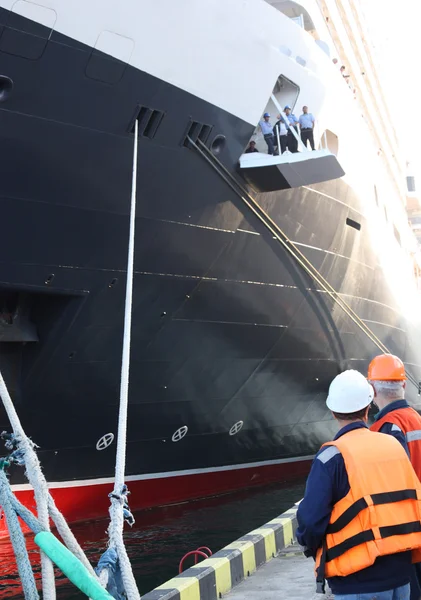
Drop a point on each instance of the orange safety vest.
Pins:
(409, 421)
(381, 514)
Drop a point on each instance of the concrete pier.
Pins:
(266, 564)
(289, 575)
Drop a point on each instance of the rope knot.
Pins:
(122, 498)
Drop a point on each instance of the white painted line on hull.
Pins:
(166, 475)
(385, 324)
(265, 284)
(219, 279)
(356, 298)
(231, 323)
(247, 231)
(334, 254)
(187, 224)
(334, 199)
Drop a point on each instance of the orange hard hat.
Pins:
(386, 367)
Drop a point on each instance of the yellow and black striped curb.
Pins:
(217, 575)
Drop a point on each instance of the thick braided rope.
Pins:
(67, 535)
(18, 540)
(37, 480)
(115, 529)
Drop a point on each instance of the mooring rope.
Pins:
(38, 482)
(114, 568)
(119, 509)
(18, 541)
(43, 498)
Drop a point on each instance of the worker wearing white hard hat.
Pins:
(363, 548)
(349, 392)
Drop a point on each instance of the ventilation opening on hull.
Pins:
(354, 224)
(149, 121)
(197, 131)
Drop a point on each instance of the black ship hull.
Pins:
(233, 345)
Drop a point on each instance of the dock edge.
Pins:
(215, 576)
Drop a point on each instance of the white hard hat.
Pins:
(349, 392)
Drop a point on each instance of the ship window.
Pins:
(354, 224)
(109, 57)
(397, 234)
(385, 214)
(285, 50)
(28, 29)
(301, 61)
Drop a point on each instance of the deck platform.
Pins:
(265, 564)
(289, 575)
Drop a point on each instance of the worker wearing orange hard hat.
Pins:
(386, 373)
(360, 506)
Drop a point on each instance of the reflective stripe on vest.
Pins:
(413, 436)
(380, 514)
(409, 422)
(359, 505)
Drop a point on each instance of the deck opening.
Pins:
(353, 224)
(149, 121)
(205, 133)
(152, 124)
(197, 131)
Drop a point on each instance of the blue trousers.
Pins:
(401, 593)
(270, 141)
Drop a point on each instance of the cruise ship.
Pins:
(257, 278)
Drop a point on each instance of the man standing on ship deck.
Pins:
(280, 128)
(292, 122)
(307, 121)
(352, 519)
(267, 130)
(386, 373)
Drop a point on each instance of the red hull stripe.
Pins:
(168, 474)
(87, 500)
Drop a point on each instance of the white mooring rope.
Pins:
(43, 498)
(118, 498)
(38, 482)
(119, 511)
(18, 541)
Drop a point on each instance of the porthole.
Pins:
(180, 433)
(236, 428)
(105, 441)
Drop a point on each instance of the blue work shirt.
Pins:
(391, 428)
(328, 483)
(306, 121)
(292, 119)
(266, 128)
